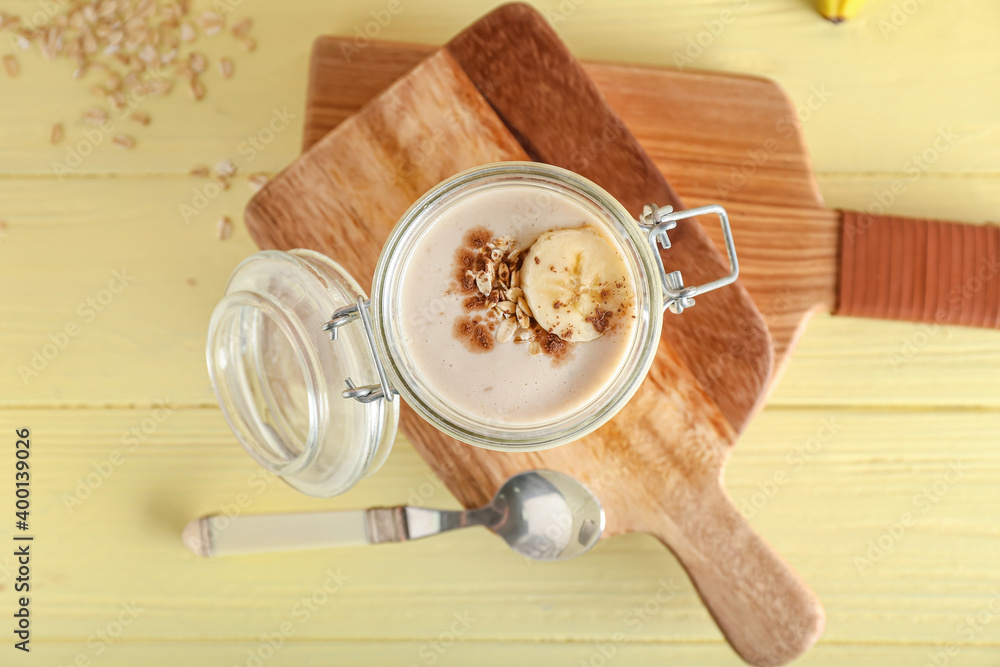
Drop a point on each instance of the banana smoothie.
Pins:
(518, 306)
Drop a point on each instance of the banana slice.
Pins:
(576, 284)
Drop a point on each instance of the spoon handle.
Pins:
(400, 524)
(221, 535)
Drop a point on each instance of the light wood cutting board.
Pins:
(505, 89)
(735, 140)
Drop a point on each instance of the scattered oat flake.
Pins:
(210, 22)
(124, 141)
(106, 8)
(117, 101)
(258, 181)
(135, 44)
(140, 117)
(183, 70)
(197, 62)
(197, 88)
(56, 136)
(157, 88)
(224, 228)
(225, 168)
(201, 171)
(241, 27)
(149, 54)
(95, 116)
(10, 64)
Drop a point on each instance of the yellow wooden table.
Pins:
(868, 426)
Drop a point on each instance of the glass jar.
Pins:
(275, 365)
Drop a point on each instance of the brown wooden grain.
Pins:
(699, 128)
(787, 240)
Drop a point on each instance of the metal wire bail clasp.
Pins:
(365, 393)
(656, 222)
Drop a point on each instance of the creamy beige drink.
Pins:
(518, 306)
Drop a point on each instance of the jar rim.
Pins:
(270, 449)
(610, 400)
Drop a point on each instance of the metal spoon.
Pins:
(541, 514)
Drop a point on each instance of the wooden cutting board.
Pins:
(735, 140)
(504, 89)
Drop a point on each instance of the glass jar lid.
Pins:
(278, 378)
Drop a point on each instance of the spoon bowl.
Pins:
(547, 515)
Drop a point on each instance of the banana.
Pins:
(840, 10)
(576, 284)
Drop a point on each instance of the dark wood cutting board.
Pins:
(504, 89)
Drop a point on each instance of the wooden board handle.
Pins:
(919, 270)
(766, 611)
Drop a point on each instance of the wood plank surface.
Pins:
(313, 653)
(823, 68)
(735, 140)
(902, 421)
(864, 471)
(694, 127)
